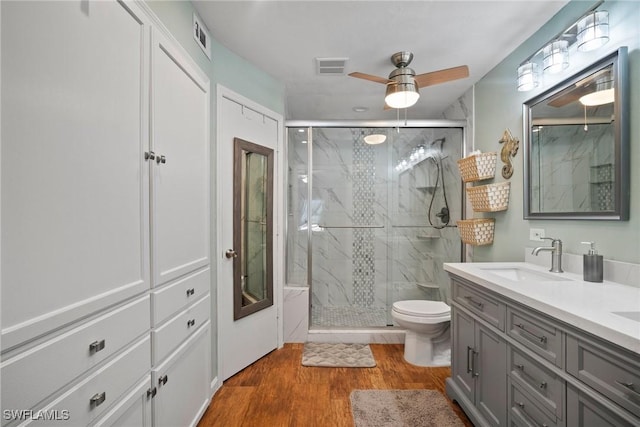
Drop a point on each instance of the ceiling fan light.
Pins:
(401, 95)
(593, 31)
(601, 97)
(375, 138)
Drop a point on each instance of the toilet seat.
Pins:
(423, 309)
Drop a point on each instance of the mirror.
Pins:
(576, 163)
(252, 228)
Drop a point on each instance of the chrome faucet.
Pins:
(556, 256)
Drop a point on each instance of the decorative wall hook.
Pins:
(509, 149)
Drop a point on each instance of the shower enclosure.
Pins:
(369, 225)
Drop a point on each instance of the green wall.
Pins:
(236, 74)
(498, 105)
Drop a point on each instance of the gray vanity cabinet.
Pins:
(517, 366)
(479, 368)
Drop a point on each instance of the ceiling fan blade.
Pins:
(442, 76)
(370, 77)
(571, 95)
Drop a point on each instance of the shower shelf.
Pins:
(421, 237)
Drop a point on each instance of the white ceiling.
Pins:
(284, 38)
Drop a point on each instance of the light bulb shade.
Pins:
(375, 138)
(401, 94)
(528, 75)
(593, 31)
(555, 56)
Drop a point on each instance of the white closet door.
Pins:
(180, 185)
(74, 182)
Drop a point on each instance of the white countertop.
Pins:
(585, 305)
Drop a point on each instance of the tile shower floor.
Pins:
(357, 317)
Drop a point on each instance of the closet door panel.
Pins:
(74, 179)
(180, 185)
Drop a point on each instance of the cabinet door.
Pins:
(180, 170)
(133, 410)
(74, 179)
(182, 381)
(463, 352)
(491, 388)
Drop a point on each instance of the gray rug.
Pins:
(337, 355)
(398, 408)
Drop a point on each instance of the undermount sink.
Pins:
(633, 315)
(520, 274)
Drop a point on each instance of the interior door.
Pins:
(247, 339)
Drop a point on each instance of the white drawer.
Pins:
(105, 386)
(31, 376)
(174, 297)
(172, 333)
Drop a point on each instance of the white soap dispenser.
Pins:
(592, 264)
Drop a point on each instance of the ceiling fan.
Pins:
(403, 84)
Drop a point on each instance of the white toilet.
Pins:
(426, 323)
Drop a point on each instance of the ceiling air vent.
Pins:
(330, 66)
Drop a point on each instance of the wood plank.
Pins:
(278, 391)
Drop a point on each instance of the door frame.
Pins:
(278, 212)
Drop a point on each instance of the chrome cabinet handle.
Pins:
(543, 384)
(474, 302)
(230, 253)
(521, 405)
(161, 159)
(162, 380)
(97, 399)
(191, 323)
(542, 338)
(190, 292)
(469, 360)
(629, 386)
(152, 392)
(149, 155)
(96, 346)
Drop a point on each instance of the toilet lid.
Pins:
(421, 308)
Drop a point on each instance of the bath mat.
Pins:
(337, 355)
(398, 408)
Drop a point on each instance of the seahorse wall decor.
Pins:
(509, 149)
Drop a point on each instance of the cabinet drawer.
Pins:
(171, 334)
(585, 411)
(482, 305)
(613, 375)
(539, 335)
(134, 409)
(543, 385)
(524, 410)
(31, 376)
(102, 388)
(176, 296)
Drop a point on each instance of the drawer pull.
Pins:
(469, 359)
(190, 292)
(521, 405)
(543, 384)
(191, 323)
(96, 346)
(162, 380)
(541, 339)
(628, 386)
(152, 392)
(97, 399)
(474, 302)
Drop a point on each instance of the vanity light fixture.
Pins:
(593, 31)
(589, 32)
(528, 76)
(555, 56)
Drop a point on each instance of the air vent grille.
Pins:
(331, 66)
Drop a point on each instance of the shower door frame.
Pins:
(309, 125)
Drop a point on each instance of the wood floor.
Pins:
(278, 391)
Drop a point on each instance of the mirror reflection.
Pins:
(575, 145)
(253, 236)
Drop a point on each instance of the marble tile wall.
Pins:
(372, 243)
